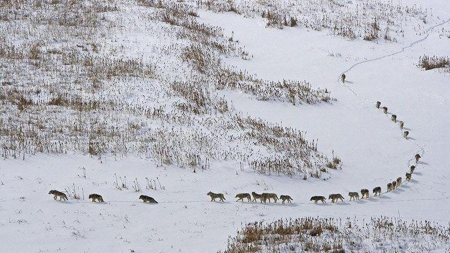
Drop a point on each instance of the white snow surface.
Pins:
(370, 145)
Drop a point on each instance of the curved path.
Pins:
(422, 150)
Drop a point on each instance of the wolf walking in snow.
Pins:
(59, 194)
(242, 196)
(215, 196)
(408, 177)
(343, 78)
(96, 197)
(353, 195)
(285, 198)
(399, 182)
(364, 193)
(318, 198)
(257, 196)
(376, 191)
(148, 199)
(389, 187)
(267, 196)
(417, 157)
(336, 197)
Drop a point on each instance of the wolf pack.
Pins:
(267, 197)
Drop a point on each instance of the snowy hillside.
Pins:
(176, 99)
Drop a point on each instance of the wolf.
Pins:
(399, 182)
(411, 169)
(417, 157)
(394, 118)
(285, 198)
(364, 192)
(394, 185)
(242, 196)
(148, 199)
(378, 104)
(59, 194)
(267, 196)
(336, 197)
(402, 124)
(318, 198)
(343, 78)
(405, 134)
(385, 109)
(408, 176)
(389, 187)
(376, 191)
(215, 196)
(257, 196)
(95, 197)
(353, 195)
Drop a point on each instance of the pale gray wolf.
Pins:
(399, 182)
(385, 109)
(335, 197)
(402, 124)
(59, 194)
(257, 196)
(411, 169)
(318, 198)
(364, 193)
(376, 191)
(417, 157)
(148, 199)
(408, 176)
(215, 196)
(378, 104)
(343, 78)
(267, 196)
(285, 198)
(353, 195)
(95, 197)
(389, 187)
(242, 196)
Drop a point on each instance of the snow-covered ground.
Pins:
(370, 145)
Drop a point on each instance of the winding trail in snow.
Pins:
(422, 150)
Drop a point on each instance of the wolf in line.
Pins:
(405, 134)
(215, 196)
(417, 157)
(267, 196)
(353, 195)
(376, 191)
(394, 118)
(408, 177)
(242, 196)
(59, 194)
(257, 196)
(402, 124)
(411, 169)
(364, 193)
(318, 198)
(285, 198)
(148, 199)
(399, 182)
(96, 197)
(394, 185)
(336, 197)
(385, 109)
(389, 187)
(343, 78)
(378, 104)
